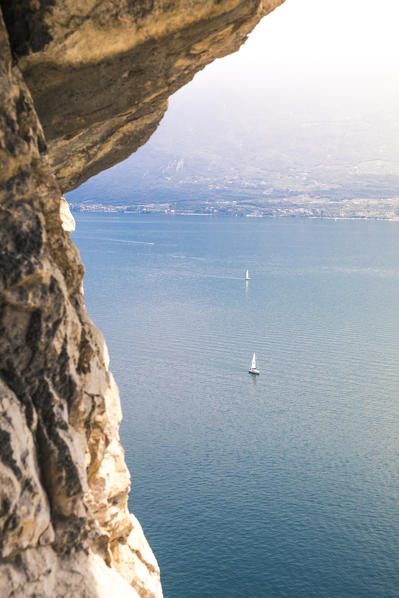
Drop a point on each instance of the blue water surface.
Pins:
(281, 486)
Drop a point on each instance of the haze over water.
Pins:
(306, 112)
(284, 486)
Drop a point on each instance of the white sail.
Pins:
(247, 275)
(253, 363)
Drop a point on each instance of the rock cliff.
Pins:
(99, 73)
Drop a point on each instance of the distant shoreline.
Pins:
(148, 212)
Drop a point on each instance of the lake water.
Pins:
(283, 486)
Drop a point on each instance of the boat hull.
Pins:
(254, 372)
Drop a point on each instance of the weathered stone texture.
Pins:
(64, 524)
(100, 73)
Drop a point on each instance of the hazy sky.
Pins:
(316, 82)
(339, 47)
(333, 32)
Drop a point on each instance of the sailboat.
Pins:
(253, 369)
(247, 275)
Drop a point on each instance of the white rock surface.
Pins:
(68, 221)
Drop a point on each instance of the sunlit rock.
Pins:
(68, 221)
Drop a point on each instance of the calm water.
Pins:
(286, 486)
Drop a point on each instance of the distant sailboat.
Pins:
(253, 369)
(247, 275)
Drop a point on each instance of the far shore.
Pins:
(143, 212)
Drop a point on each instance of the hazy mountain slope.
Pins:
(238, 139)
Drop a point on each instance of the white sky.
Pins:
(331, 47)
(333, 31)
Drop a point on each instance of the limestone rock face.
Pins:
(100, 73)
(67, 220)
(64, 525)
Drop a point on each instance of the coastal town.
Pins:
(303, 207)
